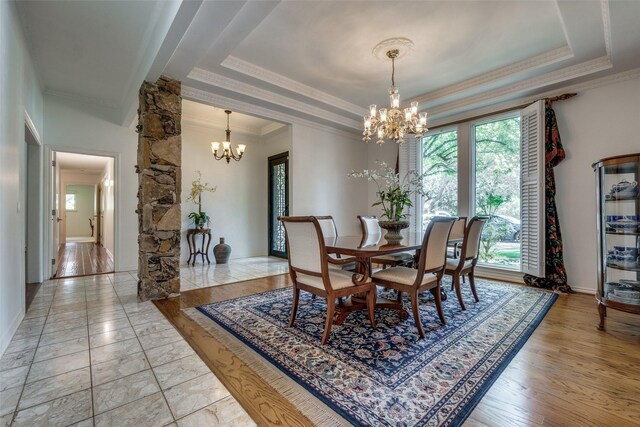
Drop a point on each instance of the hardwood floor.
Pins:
(83, 258)
(567, 374)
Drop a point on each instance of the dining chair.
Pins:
(428, 275)
(457, 235)
(466, 262)
(309, 270)
(370, 227)
(329, 229)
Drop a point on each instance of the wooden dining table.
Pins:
(365, 248)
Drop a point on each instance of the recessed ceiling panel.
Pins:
(327, 45)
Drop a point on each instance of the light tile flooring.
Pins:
(87, 353)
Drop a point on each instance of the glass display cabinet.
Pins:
(618, 201)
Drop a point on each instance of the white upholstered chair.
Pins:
(309, 270)
(457, 235)
(466, 262)
(431, 263)
(371, 230)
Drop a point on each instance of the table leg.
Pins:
(202, 248)
(208, 243)
(190, 248)
(195, 254)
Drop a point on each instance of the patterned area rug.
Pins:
(387, 377)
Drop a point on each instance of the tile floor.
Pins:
(87, 353)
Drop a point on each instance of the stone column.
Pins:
(159, 172)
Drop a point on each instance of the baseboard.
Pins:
(8, 335)
(127, 268)
(498, 274)
(584, 290)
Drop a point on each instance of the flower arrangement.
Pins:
(394, 194)
(200, 218)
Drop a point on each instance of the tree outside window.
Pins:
(71, 202)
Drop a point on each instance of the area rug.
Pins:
(387, 376)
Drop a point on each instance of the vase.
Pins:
(222, 251)
(393, 236)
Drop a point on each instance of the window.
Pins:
(497, 189)
(440, 162)
(71, 203)
(477, 168)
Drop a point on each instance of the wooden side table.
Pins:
(193, 248)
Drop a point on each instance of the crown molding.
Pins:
(533, 83)
(227, 83)
(257, 72)
(544, 59)
(578, 87)
(606, 24)
(270, 128)
(209, 98)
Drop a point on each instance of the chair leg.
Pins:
(294, 307)
(371, 305)
(472, 284)
(331, 305)
(416, 312)
(456, 283)
(437, 296)
(314, 296)
(399, 298)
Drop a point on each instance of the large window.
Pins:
(474, 169)
(497, 189)
(71, 202)
(440, 161)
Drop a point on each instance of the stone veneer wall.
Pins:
(159, 173)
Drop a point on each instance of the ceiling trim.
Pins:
(271, 127)
(267, 76)
(213, 99)
(578, 87)
(221, 127)
(227, 83)
(529, 64)
(553, 77)
(606, 24)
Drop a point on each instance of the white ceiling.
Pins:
(81, 162)
(312, 60)
(213, 117)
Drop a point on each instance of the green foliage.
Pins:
(200, 219)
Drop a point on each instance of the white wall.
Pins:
(598, 123)
(20, 93)
(320, 160)
(75, 127)
(238, 208)
(77, 222)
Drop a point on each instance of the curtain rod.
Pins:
(549, 100)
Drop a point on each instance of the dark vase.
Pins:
(222, 251)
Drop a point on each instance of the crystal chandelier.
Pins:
(227, 152)
(394, 123)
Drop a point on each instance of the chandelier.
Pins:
(394, 123)
(227, 152)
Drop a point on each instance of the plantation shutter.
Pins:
(409, 158)
(532, 197)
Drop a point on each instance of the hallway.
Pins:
(83, 258)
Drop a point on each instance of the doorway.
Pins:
(84, 220)
(278, 203)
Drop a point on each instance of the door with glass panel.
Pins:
(497, 189)
(278, 203)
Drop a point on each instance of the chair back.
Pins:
(305, 244)
(459, 228)
(328, 226)
(433, 254)
(369, 225)
(472, 235)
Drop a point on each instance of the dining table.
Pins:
(364, 248)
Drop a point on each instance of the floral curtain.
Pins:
(555, 273)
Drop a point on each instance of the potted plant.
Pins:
(200, 218)
(394, 196)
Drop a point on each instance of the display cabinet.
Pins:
(618, 234)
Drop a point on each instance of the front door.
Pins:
(278, 203)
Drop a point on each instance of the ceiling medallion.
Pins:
(227, 152)
(394, 123)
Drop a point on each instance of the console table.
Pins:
(193, 248)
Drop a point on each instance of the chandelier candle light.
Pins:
(227, 152)
(394, 123)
